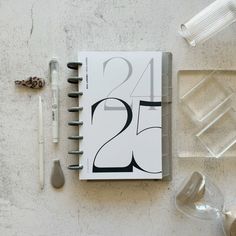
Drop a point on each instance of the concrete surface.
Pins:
(34, 31)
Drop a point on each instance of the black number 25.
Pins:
(133, 163)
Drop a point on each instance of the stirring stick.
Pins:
(41, 144)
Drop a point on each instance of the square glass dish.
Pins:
(204, 122)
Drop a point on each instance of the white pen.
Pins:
(41, 144)
(54, 74)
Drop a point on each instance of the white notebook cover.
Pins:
(122, 115)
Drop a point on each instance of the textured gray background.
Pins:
(34, 31)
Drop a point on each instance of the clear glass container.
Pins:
(199, 197)
(209, 21)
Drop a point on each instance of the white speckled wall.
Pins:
(31, 32)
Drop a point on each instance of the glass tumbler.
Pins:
(209, 21)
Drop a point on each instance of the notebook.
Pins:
(125, 115)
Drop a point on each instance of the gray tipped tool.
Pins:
(57, 176)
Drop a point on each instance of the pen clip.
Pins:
(54, 70)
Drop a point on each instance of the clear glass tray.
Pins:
(206, 124)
